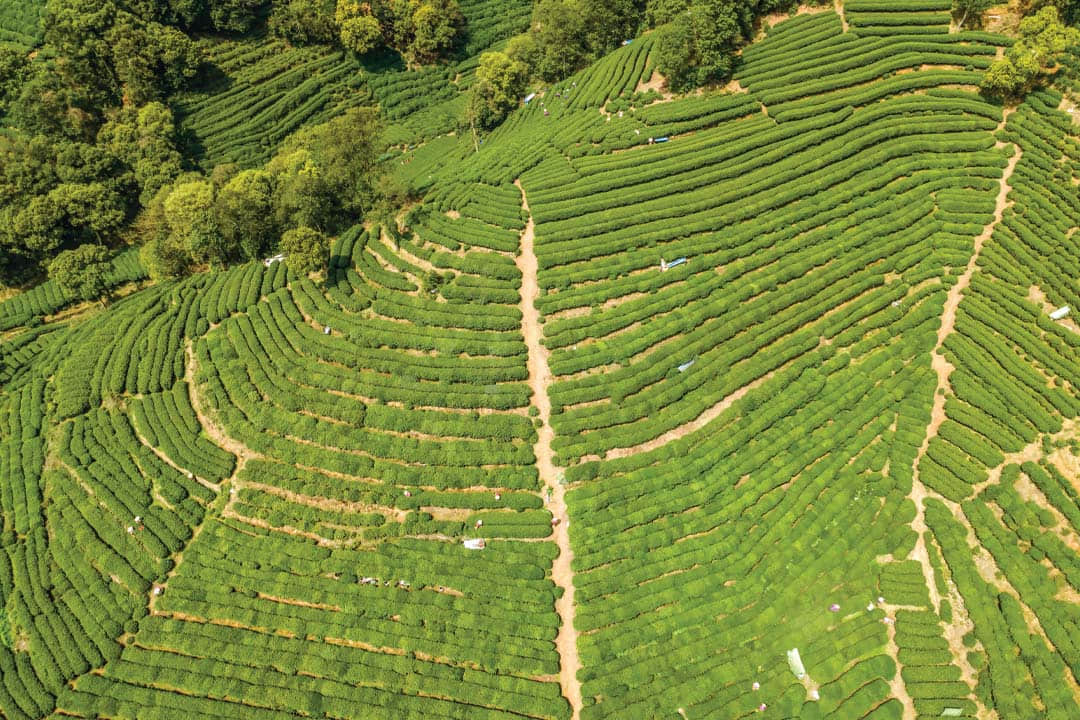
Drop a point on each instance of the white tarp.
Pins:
(795, 663)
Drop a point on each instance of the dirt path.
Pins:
(942, 368)
(694, 425)
(539, 380)
(214, 431)
(897, 687)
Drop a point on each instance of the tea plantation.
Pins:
(712, 377)
(20, 22)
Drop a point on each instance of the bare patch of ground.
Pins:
(540, 380)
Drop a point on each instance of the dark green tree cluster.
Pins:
(570, 33)
(82, 272)
(232, 16)
(422, 31)
(85, 139)
(1068, 10)
(113, 54)
(322, 179)
(698, 39)
(304, 22)
(1033, 58)
(500, 81)
(63, 184)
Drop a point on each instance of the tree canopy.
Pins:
(323, 178)
(1033, 58)
(306, 249)
(497, 88)
(82, 272)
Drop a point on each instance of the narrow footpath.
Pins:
(539, 380)
(919, 492)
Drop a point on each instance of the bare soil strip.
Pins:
(539, 380)
(694, 425)
(919, 492)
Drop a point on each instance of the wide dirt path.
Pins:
(539, 380)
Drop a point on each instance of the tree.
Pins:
(435, 27)
(91, 210)
(162, 254)
(499, 83)
(301, 193)
(361, 34)
(236, 16)
(14, 71)
(244, 208)
(342, 158)
(145, 139)
(151, 60)
(1032, 58)
(82, 272)
(304, 22)
(1068, 10)
(970, 10)
(77, 29)
(698, 44)
(306, 250)
(608, 23)
(49, 104)
(674, 53)
(559, 29)
(189, 215)
(523, 49)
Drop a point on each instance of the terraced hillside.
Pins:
(260, 90)
(713, 377)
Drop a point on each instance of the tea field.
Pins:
(21, 23)
(259, 90)
(712, 377)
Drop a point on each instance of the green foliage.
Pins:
(82, 272)
(970, 12)
(244, 212)
(558, 26)
(497, 89)
(420, 31)
(20, 23)
(1033, 58)
(189, 216)
(306, 250)
(14, 70)
(304, 22)
(359, 33)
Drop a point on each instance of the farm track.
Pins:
(539, 381)
(919, 492)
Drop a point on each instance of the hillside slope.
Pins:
(845, 423)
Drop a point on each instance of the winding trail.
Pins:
(919, 492)
(539, 380)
